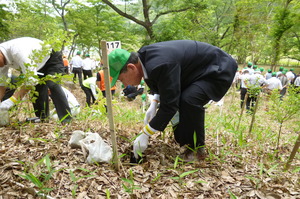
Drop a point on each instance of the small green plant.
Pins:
(283, 110)
(74, 179)
(156, 178)
(107, 193)
(254, 181)
(40, 178)
(129, 185)
(232, 196)
(180, 178)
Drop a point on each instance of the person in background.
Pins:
(132, 91)
(291, 76)
(268, 74)
(35, 61)
(89, 88)
(250, 68)
(245, 82)
(184, 75)
(262, 71)
(280, 71)
(284, 82)
(88, 65)
(273, 84)
(237, 80)
(101, 83)
(297, 84)
(76, 65)
(254, 68)
(256, 82)
(66, 64)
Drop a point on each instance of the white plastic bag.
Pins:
(99, 151)
(75, 138)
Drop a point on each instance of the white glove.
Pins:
(141, 142)
(7, 104)
(150, 113)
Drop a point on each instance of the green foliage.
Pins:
(4, 25)
(38, 17)
(286, 109)
(74, 178)
(41, 174)
(180, 177)
(253, 30)
(128, 184)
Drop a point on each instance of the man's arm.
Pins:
(2, 92)
(10, 102)
(20, 93)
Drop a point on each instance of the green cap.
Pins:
(249, 63)
(284, 72)
(78, 53)
(117, 59)
(274, 74)
(269, 70)
(281, 68)
(261, 69)
(291, 69)
(144, 97)
(255, 66)
(87, 55)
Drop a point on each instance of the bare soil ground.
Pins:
(232, 169)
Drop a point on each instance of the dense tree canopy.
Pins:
(253, 30)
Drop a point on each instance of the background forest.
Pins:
(264, 32)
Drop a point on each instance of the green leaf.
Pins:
(34, 180)
(188, 173)
(128, 181)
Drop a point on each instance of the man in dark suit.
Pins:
(185, 75)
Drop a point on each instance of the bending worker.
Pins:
(185, 75)
(101, 84)
(27, 55)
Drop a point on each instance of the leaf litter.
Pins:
(230, 171)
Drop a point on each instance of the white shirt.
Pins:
(268, 75)
(76, 62)
(71, 98)
(245, 80)
(88, 64)
(24, 54)
(251, 71)
(290, 76)
(297, 81)
(236, 77)
(274, 83)
(257, 80)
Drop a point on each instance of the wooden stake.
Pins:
(293, 153)
(116, 162)
(253, 114)
(242, 110)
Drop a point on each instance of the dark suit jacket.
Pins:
(172, 66)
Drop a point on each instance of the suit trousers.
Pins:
(89, 97)
(41, 105)
(77, 72)
(191, 116)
